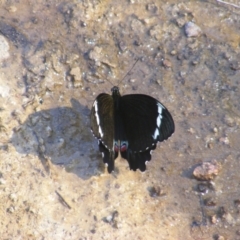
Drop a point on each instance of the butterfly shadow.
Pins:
(61, 136)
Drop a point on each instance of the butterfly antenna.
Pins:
(129, 71)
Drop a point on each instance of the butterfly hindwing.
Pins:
(108, 156)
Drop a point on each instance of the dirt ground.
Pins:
(56, 57)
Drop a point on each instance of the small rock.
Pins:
(166, 63)
(227, 55)
(122, 46)
(213, 219)
(180, 22)
(224, 140)
(156, 192)
(237, 203)
(204, 187)
(229, 218)
(109, 218)
(210, 202)
(60, 143)
(151, 7)
(235, 65)
(156, 32)
(192, 30)
(49, 131)
(34, 120)
(2, 181)
(229, 121)
(182, 74)
(75, 71)
(137, 26)
(173, 52)
(4, 48)
(194, 62)
(207, 170)
(96, 55)
(191, 130)
(222, 212)
(46, 116)
(11, 209)
(42, 149)
(77, 76)
(219, 237)
(13, 197)
(12, 9)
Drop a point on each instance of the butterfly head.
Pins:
(115, 91)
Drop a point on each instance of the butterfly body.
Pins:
(131, 125)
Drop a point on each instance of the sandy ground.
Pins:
(56, 57)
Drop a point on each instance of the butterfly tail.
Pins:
(108, 157)
(137, 160)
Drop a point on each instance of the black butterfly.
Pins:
(130, 124)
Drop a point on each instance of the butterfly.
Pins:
(130, 125)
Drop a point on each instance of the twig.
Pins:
(231, 4)
(62, 200)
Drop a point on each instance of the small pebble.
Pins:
(219, 237)
(156, 192)
(49, 131)
(12, 9)
(2, 181)
(194, 62)
(204, 187)
(191, 130)
(11, 209)
(166, 63)
(4, 48)
(229, 121)
(207, 170)
(77, 74)
(46, 115)
(34, 120)
(192, 30)
(122, 46)
(210, 202)
(151, 7)
(60, 143)
(235, 65)
(213, 219)
(109, 218)
(237, 203)
(13, 197)
(224, 140)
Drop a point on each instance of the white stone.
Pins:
(4, 48)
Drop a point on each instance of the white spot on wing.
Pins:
(159, 120)
(160, 108)
(156, 134)
(97, 118)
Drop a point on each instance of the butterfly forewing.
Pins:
(102, 123)
(146, 121)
